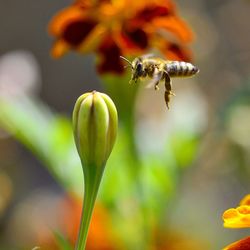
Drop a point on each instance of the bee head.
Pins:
(136, 66)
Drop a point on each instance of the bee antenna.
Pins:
(125, 59)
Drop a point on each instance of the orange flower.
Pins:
(121, 27)
(238, 218)
(243, 244)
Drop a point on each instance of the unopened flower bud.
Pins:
(95, 128)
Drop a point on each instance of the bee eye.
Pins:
(139, 67)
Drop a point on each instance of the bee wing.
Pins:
(147, 56)
(150, 84)
(155, 80)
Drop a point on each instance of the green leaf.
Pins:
(47, 135)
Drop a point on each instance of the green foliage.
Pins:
(184, 147)
(49, 136)
(62, 242)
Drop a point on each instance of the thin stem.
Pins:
(91, 185)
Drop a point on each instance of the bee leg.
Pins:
(133, 80)
(168, 89)
(157, 79)
(156, 85)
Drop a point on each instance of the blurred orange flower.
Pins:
(121, 27)
(238, 218)
(100, 237)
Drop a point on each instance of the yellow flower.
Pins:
(238, 217)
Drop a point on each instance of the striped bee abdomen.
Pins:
(181, 69)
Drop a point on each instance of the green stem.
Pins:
(92, 181)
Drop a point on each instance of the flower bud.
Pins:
(95, 128)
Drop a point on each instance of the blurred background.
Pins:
(205, 133)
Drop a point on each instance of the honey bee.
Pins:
(157, 70)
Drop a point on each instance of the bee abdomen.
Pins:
(181, 69)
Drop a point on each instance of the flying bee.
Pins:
(157, 70)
